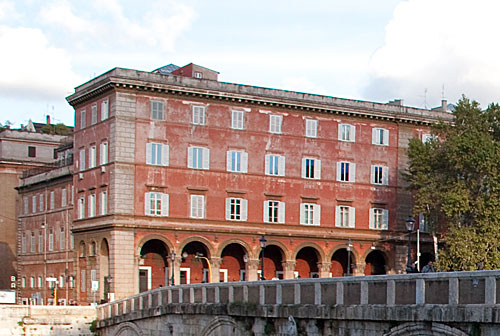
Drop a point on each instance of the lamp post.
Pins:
(349, 247)
(263, 242)
(199, 255)
(410, 223)
(172, 257)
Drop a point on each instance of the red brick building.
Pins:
(177, 178)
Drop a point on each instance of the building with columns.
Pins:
(179, 177)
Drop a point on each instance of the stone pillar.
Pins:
(288, 269)
(177, 269)
(324, 269)
(123, 264)
(215, 265)
(359, 268)
(252, 267)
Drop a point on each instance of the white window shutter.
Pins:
(339, 170)
(374, 136)
(268, 158)
(244, 209)
(352, 172)
(317, 214)
(228, 160)
(352, 217)
(266, 207)
(372, 219)
(386, 137)
(353, 134)
(340, 132)
(147, 204)
(202, 206)
(206, 158)
(337, 216)
(244, 162)
(385, 175)
(190, 157)
(228, 208)
(304, 167)
(302, 213)
(281, 212)
(317, 169)
(149, 150)
(385, 219)
(372, 175)
(202, 115)
(164, 204)
(281, 165)
(164, 154)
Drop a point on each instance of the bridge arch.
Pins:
(424, 329)
(127, 329)
(222, 326)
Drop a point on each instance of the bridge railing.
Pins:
(451, 288)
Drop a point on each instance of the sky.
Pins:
(420, 51)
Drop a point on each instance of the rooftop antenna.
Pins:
(442, 92)
(425, 98)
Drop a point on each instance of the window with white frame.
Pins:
(51, 240)
(83, 117)
(380, 136)
(311, 168)
(41, 198)
(345, 216)
(93, 275)
(32, 242)
(71, 281)
(237, 161)
(311, 128)
(157, 108)
(62, 239)
(104, 109)
(274, 212)
(40, 242)
(423, 222)
(83, 281)
(347, 132)
(104, 203)
(64, 200)
(32, 282)
(92, 156)
(198, 158)
(275, 165)
(61, 281)
(26, 205)
(103, 152)
(346, 171)
(40, 282)
(236, 209)
(198, 115)
(380, 175)
(23, 282)
(157, 154)
(93, 249)
(379, 219)
(71, 241)
(33, 204)
(81, 208)
(52, 200)
(93, 119)
(237, 119)
(197, 206)
(82, 159)
(275, 123)
(92, 204)
(156, 204)
(310, 214)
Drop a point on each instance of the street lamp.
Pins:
(263, 242)
(199, 255)
(410, 223)
(172, 257)
(349, 247)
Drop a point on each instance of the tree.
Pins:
(59, 129)
(455, 178)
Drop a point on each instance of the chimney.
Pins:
(444, 105)
(48, 120)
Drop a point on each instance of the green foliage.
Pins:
(5, 125)
(59, 129)
(456, 182)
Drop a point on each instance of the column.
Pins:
(324, 269)
(215, 265)
(252, 267)
(177, 269)
(289, 269)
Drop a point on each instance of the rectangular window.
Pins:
(198, 158)
(346, 171)
(92, 156)
(92, 204)
(41, 202)
(23, 282)
(423, 223)
(197, 206)
(40, 242)
(64, 200)
(52, 200)
(157, 154)
(71, 241)
(380, 175)
(32, 282)
(310, 214)
(380, 136)
(157, 108)
(156, 204)
(26, 205)
(347, 132)
(71, 281)
(379, 219)
(103, 152)
(81, 208)
(93, 119)
(83, 117)
(237, 119)
(311, 128)
(275, 165)
(104, 110)
(274, 212)
(275, 123)
(104, 203)
(32, 242)
(31, 151)
(40, 282)
(83, 281)
(61, 281)
(345, 216)
(199, 115)
(33, 204)
(62, 239)
(82, 159)
(51, 240)
(237, 161)
(311, 168)
(236, 209)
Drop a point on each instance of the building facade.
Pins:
(179, 179)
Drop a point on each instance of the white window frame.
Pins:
(198, 157)
(379, 175)
(103, 205)
(32, 242)
(275, 165)
(103, 153)
(26, 205)
(311, 171)
(156, 204)
(310, 214)
(237, 161)
(311, 128)
(237, 119)
(64, 199)
(32, 282)
(40, 242)
(82, 159)
(274, 212)
(346, 171)
(199, 115)
(347, 132)
(83, 119)
(197, 206)
(236, 209)
(40, 282)
(104, 109)
(33, 204)
(62, 239)
(92, 205)
(423, 223)
(93, 119)
(81, 207)
(275, 122)
(52, 200)
(157, 110)
(345, 216)
(92, 156)
(51, 240)
(379, 219)
(83, 281)
(380, 136)
(157, 154)
(41, 201)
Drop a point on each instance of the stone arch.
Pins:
(307, 261)
(233, 262)
(127, 329)
(274, 259)
(319, 250)
(82, 249)
(222, 326)
(339, 260)
(340, 247)
(227, 242)
(149, 237)
(196, 257)
(153, 265)
(104, 269)
(286, 252)
(376, 262)
(424, 329)
(199, 239)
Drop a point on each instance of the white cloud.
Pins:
(431, 44)
(60, 13)
(7, 10)
(31, 68)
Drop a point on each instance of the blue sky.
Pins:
(415, 50)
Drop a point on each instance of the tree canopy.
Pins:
(456, 182)
(59, 129)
